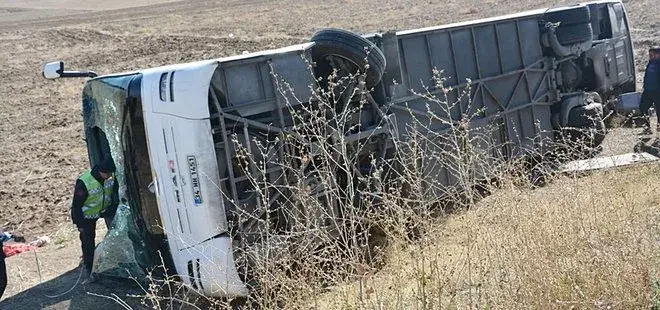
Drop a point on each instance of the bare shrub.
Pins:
(342, 198)
(321, 233)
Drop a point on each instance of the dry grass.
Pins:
(577, 243)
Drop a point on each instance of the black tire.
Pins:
(573, 15)
(351, 47)
(574, 34)
(586, 127)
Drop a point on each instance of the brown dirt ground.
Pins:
(41, 144)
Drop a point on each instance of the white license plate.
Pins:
(194, 179)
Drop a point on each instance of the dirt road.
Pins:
(41, 143)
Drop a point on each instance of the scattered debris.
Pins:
(14, 248)
(599, 163)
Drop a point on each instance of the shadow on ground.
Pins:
(58, 294)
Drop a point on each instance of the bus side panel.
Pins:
(508, 97)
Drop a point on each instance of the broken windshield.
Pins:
(112, 113)
(103, 102)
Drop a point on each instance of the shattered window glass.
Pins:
(124, 252)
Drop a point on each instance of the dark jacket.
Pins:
(4, 237)
(80, 195)
(652, 76)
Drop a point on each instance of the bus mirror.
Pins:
(53, 70)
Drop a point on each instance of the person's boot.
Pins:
(89, 276)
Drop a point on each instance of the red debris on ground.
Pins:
(11, 249)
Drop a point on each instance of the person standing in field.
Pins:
(651, 93)
(95, 196)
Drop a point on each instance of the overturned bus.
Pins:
(170, 129)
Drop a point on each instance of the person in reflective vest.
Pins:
(95, 196)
